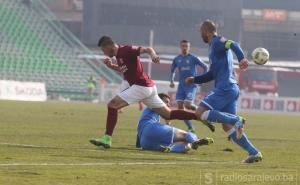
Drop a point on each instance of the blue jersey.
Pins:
(187, 67)
(148, 117)
(221, 60)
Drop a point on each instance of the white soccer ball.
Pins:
(260, 56)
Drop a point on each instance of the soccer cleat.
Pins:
(104, 141)
(209, 125)
(200, 142)
(165, 149)
(253, 158)
(239, 127)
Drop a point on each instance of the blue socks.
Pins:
(243, 142)
(178, 148)
(188, 123)
(219, 117)
(190, 137)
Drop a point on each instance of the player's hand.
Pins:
(155, 59)
(172, 85)
(243, 64)
(107, 62)
(189, 80)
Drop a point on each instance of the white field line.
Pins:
(188, 160)
(116, 163)
(142, 153)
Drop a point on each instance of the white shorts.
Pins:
(147, 95)
(124, 85)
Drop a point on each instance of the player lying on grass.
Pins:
(153, 135)
(141, 87)
(220, 106)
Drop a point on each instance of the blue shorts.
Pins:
(224, 100)
(155, 134)
(186, 92)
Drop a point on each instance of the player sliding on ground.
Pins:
(141, 88)
(187, 64)
(153, 135)
(220, 106)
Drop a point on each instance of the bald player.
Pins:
(220, 105)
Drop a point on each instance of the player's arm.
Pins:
(111, 65)
(224, 44)
(206, 77)
(235, 47)
(172, 75)
(151, 52)
(201, 64)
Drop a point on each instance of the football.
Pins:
(260, 56)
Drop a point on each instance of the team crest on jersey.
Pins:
(187, 61)
(123, 68)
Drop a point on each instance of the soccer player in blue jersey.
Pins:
(220, 106)
(187, 65)
(153, 135)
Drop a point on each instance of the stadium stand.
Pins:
(36, 47)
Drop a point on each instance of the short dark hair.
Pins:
(105, 41)
(163, 95)
(184, 41)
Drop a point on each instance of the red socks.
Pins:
(111, 121)
(182, 115)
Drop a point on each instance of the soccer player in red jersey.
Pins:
(141, 87)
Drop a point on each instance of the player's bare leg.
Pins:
(112, 117)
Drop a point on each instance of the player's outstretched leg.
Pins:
(254, 154)
(169, 114)
(221, 117)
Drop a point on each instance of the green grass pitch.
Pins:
(47, 144)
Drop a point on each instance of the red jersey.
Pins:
(128, 58)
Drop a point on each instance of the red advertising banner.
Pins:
(274, 14)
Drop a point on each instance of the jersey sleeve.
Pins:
(223, 44)
(134, 51)
(173, 68)
(204, 78)
(201, 64)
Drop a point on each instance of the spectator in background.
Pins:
(91, 86)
